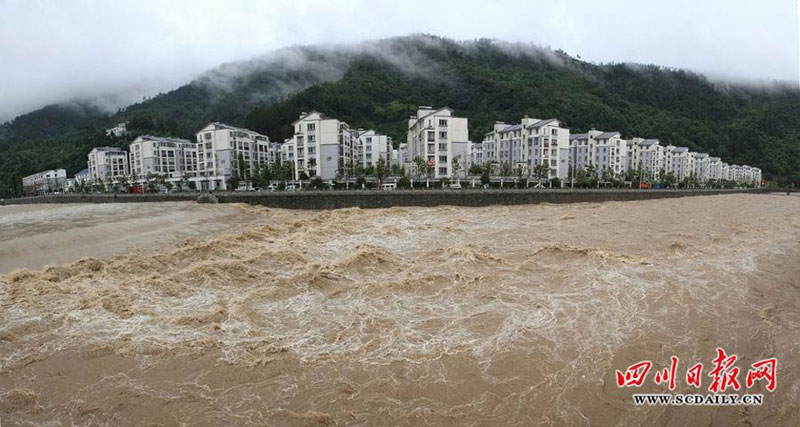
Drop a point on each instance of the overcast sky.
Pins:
(52, 51)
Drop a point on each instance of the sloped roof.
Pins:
(607, 135)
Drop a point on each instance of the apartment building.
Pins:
(121, 129)
(324, 147)
(219, 150)
(680, 162)
(702, 167)
(633, 146)
(373, 146)
(757, 177)
(82, 177)
(438, 137)
(605, 151)
(714, 169)
(171, 158)
(526, 145)
(400, 155)
(651, 159)
(49, 181)
(476, 154)
(547, 143)
(106, 164)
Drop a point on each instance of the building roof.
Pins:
(434, 112)
(647, 142)
(83, 172)
(304, 115)
(229, 127)
(107, 149)
(164, 139)
(608, 135)
(701, 155)
(680, 149)
(578, 136)
(714, 159)
(541, 123)
(511, 128)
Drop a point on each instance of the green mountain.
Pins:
(379, 84)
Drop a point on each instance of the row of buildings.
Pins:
(548, 145)
(321, 147)
(437, 139)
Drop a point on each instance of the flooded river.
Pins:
(504, 315)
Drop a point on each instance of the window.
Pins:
(207, 136)
(443, 171)
(443, 123)
(311, 126)
(443, 159)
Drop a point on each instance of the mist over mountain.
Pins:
(378, 84)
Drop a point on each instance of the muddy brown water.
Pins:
(404, 316)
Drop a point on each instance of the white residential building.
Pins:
(651, 159)
(546, 143)
(119, 130)
(702, 167)
(45, 182)
(605, 151)
(680, 162)
(400, 156)
(170, 158)
(437, 136)
(715, 169)
(373, 146)
(476, 154)
(219, 149)
(324, 147)
(527, 145)
(106, 164)
(633, 148)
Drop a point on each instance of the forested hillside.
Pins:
(379, 84)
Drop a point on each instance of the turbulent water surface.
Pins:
(410, 316)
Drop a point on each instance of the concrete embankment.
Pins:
(384, 199)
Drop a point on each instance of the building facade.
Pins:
(171, 158)
(224, 151)
(373, 146)
(324, 147)
(605, 152)
(107, 164)
(438, 137)
(46, 182)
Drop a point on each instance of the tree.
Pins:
(669, 180)
(455, 166)
(123, 182)
(420, 167)
(241, 166)
(506, 169)
(184, 181)
(381, 170)
(485, 178)
(541, 172)
(233, 180)
(475, 170)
